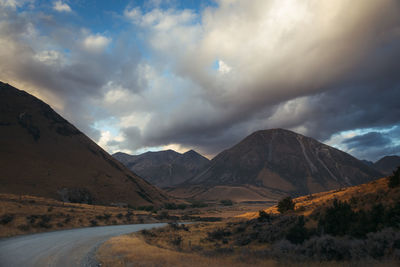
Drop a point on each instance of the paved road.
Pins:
(60, 248)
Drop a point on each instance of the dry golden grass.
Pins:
(131, 250)
(62, 215)
(305, 205)
(135, 250)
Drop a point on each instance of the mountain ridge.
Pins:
(44, 155)
(387, 164)
(164, 168)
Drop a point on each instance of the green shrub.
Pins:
(286, 205)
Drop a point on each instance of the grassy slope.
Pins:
(368, 193)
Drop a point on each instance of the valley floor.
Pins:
(30, 214)
(23, 214)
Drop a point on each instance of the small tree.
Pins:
(286, 204)
(263, 216)
(394, 180)
(337, 219)
(298, 233)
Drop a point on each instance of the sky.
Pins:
(167, 74)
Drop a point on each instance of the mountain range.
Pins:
(42, 154)
(271, 163)
(165, 168)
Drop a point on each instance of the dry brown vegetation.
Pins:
(292, 239)
(29, 214)
(161, 247)
(131, 249)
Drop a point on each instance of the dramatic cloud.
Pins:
(171, 76)
(373, 145)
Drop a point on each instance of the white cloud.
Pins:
(61, 7)
(14, 3)
(50, 57)
(96, 43)
(133, 14)
(223, 68)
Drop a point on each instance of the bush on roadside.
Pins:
(6, 218)
(176, 241)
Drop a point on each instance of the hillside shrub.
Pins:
(23, 227)
(337, 219)
(198, 204)
(378, 246)
(263, 216)
(226, 202)
(394, 180)
(298, 233)
(286, 205)
(176, 241)
(340, 219)
(218, 234)
(44, 222)
(146, 208)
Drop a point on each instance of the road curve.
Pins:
(61, 248)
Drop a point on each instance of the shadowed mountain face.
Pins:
(278, 162)
(387, 164)
(165, 168)
(42, 154)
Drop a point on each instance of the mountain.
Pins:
(272, 163)
(42, 154)
(367, 162)
(165, 168)
(387, 164)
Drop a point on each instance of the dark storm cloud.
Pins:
(371, 139)
(374, 145)
(321, 68)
